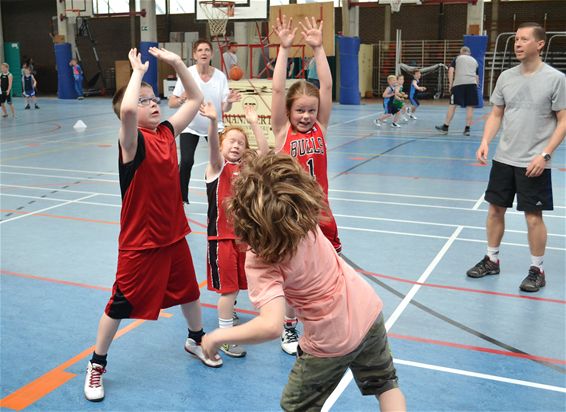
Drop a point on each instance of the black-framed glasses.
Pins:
(146, 101)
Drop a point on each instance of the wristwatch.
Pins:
(546, 156)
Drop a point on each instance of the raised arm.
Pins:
(251, 117)
(491, 128)
(189, 109)
(279, 118)
(215, 160)
(128, 134)
(312, 35)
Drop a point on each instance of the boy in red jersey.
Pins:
(299, 121)
(155, 268)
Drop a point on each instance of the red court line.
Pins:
(485, 292)
(480, 119)
(477, 348)
(82, 219)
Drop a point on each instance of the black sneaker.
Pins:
(534, 280)
(443, 129)
(27, 107)
(466, 131)
(483, 268)
(36, 106)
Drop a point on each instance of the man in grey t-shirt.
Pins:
(463, 83)
(530, 101)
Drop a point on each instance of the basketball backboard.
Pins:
(243, 10)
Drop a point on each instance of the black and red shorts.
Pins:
(152, 279)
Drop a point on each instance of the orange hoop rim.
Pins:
(215, 3)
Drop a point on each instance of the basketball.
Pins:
(236, 73)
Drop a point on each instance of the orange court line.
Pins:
(56, 377)
(82, 219)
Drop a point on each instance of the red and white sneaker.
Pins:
(94, 389)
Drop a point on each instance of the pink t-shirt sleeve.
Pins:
(265, 281)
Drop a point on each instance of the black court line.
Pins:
(374, 157)
(453, 322)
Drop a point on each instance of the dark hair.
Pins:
(199, 42)
(538, 32)
(119, 95)
(275, 204)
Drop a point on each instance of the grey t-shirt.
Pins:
(465, 70)
(531, 103)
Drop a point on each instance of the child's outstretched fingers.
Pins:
(208, 110)
(312, 34)
(251, 114)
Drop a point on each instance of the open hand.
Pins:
(208, 110)
(285, 32)
(312, 34)
(233, 96)
(251, 114)
(135, 61)
(164, 55)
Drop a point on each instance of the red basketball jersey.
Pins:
(309, 149)
(152, 209)
(218, 191)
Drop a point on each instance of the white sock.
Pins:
(225, 323)
(493, 254)
(537, 261)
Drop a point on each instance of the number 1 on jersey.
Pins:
(310, 164)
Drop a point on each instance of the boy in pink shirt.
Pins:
(276, 208)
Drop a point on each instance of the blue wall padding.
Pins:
(349, 48)
(65, 80)
(150, 75)
(478, 47)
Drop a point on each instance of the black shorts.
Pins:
(464, 95)
(533, 193)
(6, 98)
(391, 107)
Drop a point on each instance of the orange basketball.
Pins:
(236, 73)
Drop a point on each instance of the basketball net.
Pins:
(217, 13)
(395, 6)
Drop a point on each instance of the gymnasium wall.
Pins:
(29, 23)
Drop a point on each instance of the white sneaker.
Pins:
(235, 351)
(393, 124)
(290, 341)
(196, 350)
(94, 389)
(376, 122)
(412, 116)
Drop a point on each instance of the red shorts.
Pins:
(225, 266)
(330, 229)
(152, 279)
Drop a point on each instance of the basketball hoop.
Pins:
(217, 13)
(395, 6)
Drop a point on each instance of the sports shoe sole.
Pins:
(94, 400)
(234, 355)
(533, 289)
(477, 276)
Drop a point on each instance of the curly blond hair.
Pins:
(275, 204)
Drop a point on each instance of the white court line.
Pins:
(351, 121)
(403, 195)
(347, 378)
(481, 375)
(62, 177)
(45, 209)
(419, 222)
(62, 170)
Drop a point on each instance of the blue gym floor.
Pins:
(409, 208)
